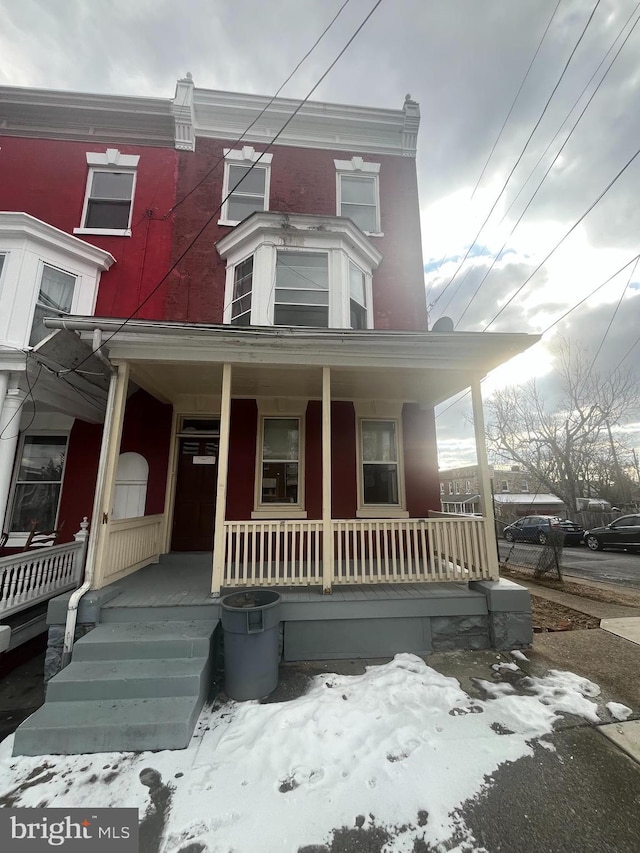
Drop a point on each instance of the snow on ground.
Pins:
(400, 747)
(619, 711)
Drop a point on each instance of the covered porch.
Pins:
(393, 377)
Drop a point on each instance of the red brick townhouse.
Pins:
(269, 413)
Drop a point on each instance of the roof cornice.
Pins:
(337, 127)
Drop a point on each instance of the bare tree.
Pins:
(566, 445)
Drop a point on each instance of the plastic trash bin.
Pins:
(250, 621)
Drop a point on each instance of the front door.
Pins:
(195, 503)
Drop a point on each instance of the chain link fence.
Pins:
(529, 557)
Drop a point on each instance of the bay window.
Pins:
(298, 270)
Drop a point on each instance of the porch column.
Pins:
(327, 527)
(106, 479)
(485, 479)
(10, 404)
(219, 536)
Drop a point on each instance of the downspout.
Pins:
(74, 601)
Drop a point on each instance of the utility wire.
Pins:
(231, 191)
(521, 155)
(559, 152)
(504, 124)
(262, 111)
(559, 243)
(559, 319)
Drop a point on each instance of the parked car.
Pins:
(624, 532)
(538, 528)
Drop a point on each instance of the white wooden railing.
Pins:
(130, 544)
(272, 553)
(36, 575)
(289, 553)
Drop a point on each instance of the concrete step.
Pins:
(122, 641)
(131, 679)
(113, 612)
(113, 725)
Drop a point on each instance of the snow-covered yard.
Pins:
(396, 750)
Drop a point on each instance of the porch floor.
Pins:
(184, 579)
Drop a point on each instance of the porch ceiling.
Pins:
(175, 361)
(181, 384)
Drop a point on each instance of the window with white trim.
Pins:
(108, 203)
(280, 467)
(450, 487)
(442, 488)
(242, 287)
(54, 300)
(272, 280)
(38, 483)
(246, 183)
(504, 485)
(457, 488)
(379, 452)
(302, 289)
(525, 485)
(358, 195)
(467, 487)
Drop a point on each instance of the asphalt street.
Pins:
(616, 567)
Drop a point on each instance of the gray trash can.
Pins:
(250, 621)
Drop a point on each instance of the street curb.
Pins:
(626, 736)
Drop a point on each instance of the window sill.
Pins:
(382, 512)
(16, 540)
(104, 232)
(374, 233)
(230, 222)
(282, 513)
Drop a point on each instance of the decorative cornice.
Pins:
(25, 226)
(338, 127)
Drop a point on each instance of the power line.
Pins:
(559, 243)
(263, 110)
(521, 155)
(559, 319)
(504, 124)
(231, 191)
(558, 153)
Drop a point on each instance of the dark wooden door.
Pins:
(195, 504)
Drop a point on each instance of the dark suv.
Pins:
(538, 528)
(624, 532)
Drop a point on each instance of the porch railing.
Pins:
(37, 575)
(272, 553)
(371, 551)
(131, 543)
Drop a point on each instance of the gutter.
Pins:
(74, 601)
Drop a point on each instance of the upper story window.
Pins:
(302, 289)
(357, 193)
(108, 203)
(298, 270)
(467, 487)
(504, 485)
(525, 485)
(54, 300)
(246, 184)
(450, 487)
(457, 487)
(442, 488)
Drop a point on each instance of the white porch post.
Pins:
(11, 399)
(106, 480)
(219, 540)
(327, 526)
(485, 479)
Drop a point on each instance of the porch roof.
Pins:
(426, 367)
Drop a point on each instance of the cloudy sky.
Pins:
(465, 62)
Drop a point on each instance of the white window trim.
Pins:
(74, 299)
(111, 161)
(357, 166)
(244, 156)
(312, 235)
(18, 538)
(279, 409)
(374, 411)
